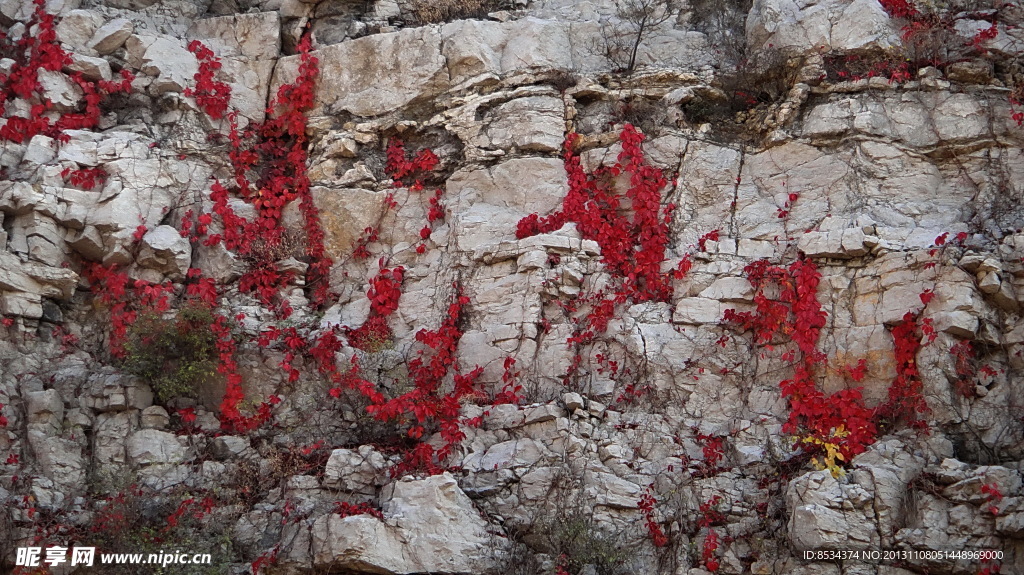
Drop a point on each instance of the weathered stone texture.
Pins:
(906, 195)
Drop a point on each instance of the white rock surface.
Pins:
(429, 526)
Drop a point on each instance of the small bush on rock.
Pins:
(579, 543)
(174, 355)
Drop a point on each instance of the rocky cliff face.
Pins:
(321, 287)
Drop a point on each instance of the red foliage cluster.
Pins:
(1017, 115)
(713, 449)
(646, 505)
(922, 23)
(125, 299)
(264, 560)
(709, 513)
(385, 290)
(199, 510)
(231, 418)
(843, 67)
(406, 170)
(991, 490)
(783, 212)
(211, 95)
(814, 414)
(511, 390)
(368, 236)
(963, 364)
(905, 400)
(796, 312)
(112, 518)
(900, 8)
(708, 550)
(857, 372)
(631, 248)
(269, 163)
(562, 565)
(85, 178)
(346, 509)
(40, 51)
(711, 236)
(426, 406)
(426, 402)
(991, 569)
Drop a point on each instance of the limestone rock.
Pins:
(529, 124)
(520, 454)
(500, 196)
(729, 290)
(430, 526)
(155, 417)
(115, 392)
(77, 27)
(252, 36)
(166, 60)
(59, 89)
(45, 411)
(833, 244)
(34, 278)
(409, 60)
(975, 71)
(231, 446)
(827, 514)
(345, 213)
(357, 471)
(94, 69)
(165, 250)
(111, 36)
(829, 25)
(148, 446)
(698, 310)
(109, 436)
(59, 459)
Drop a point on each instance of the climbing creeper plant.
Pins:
(841, 419)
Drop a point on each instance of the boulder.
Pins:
(109, 434)
(115, 392)
(45, 411)
(529, 124)
(149, 446)
(829, 514)
(155, 417)
(91, 68)
(111, 36)
(77, 28)
(825, 25)
(59, 459)
(356, 471)
(166, 251)
(395, 69)
(164, 59)
(429, 526)
(34, 278)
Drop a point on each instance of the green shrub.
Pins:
(173, 355)
(577, 537)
